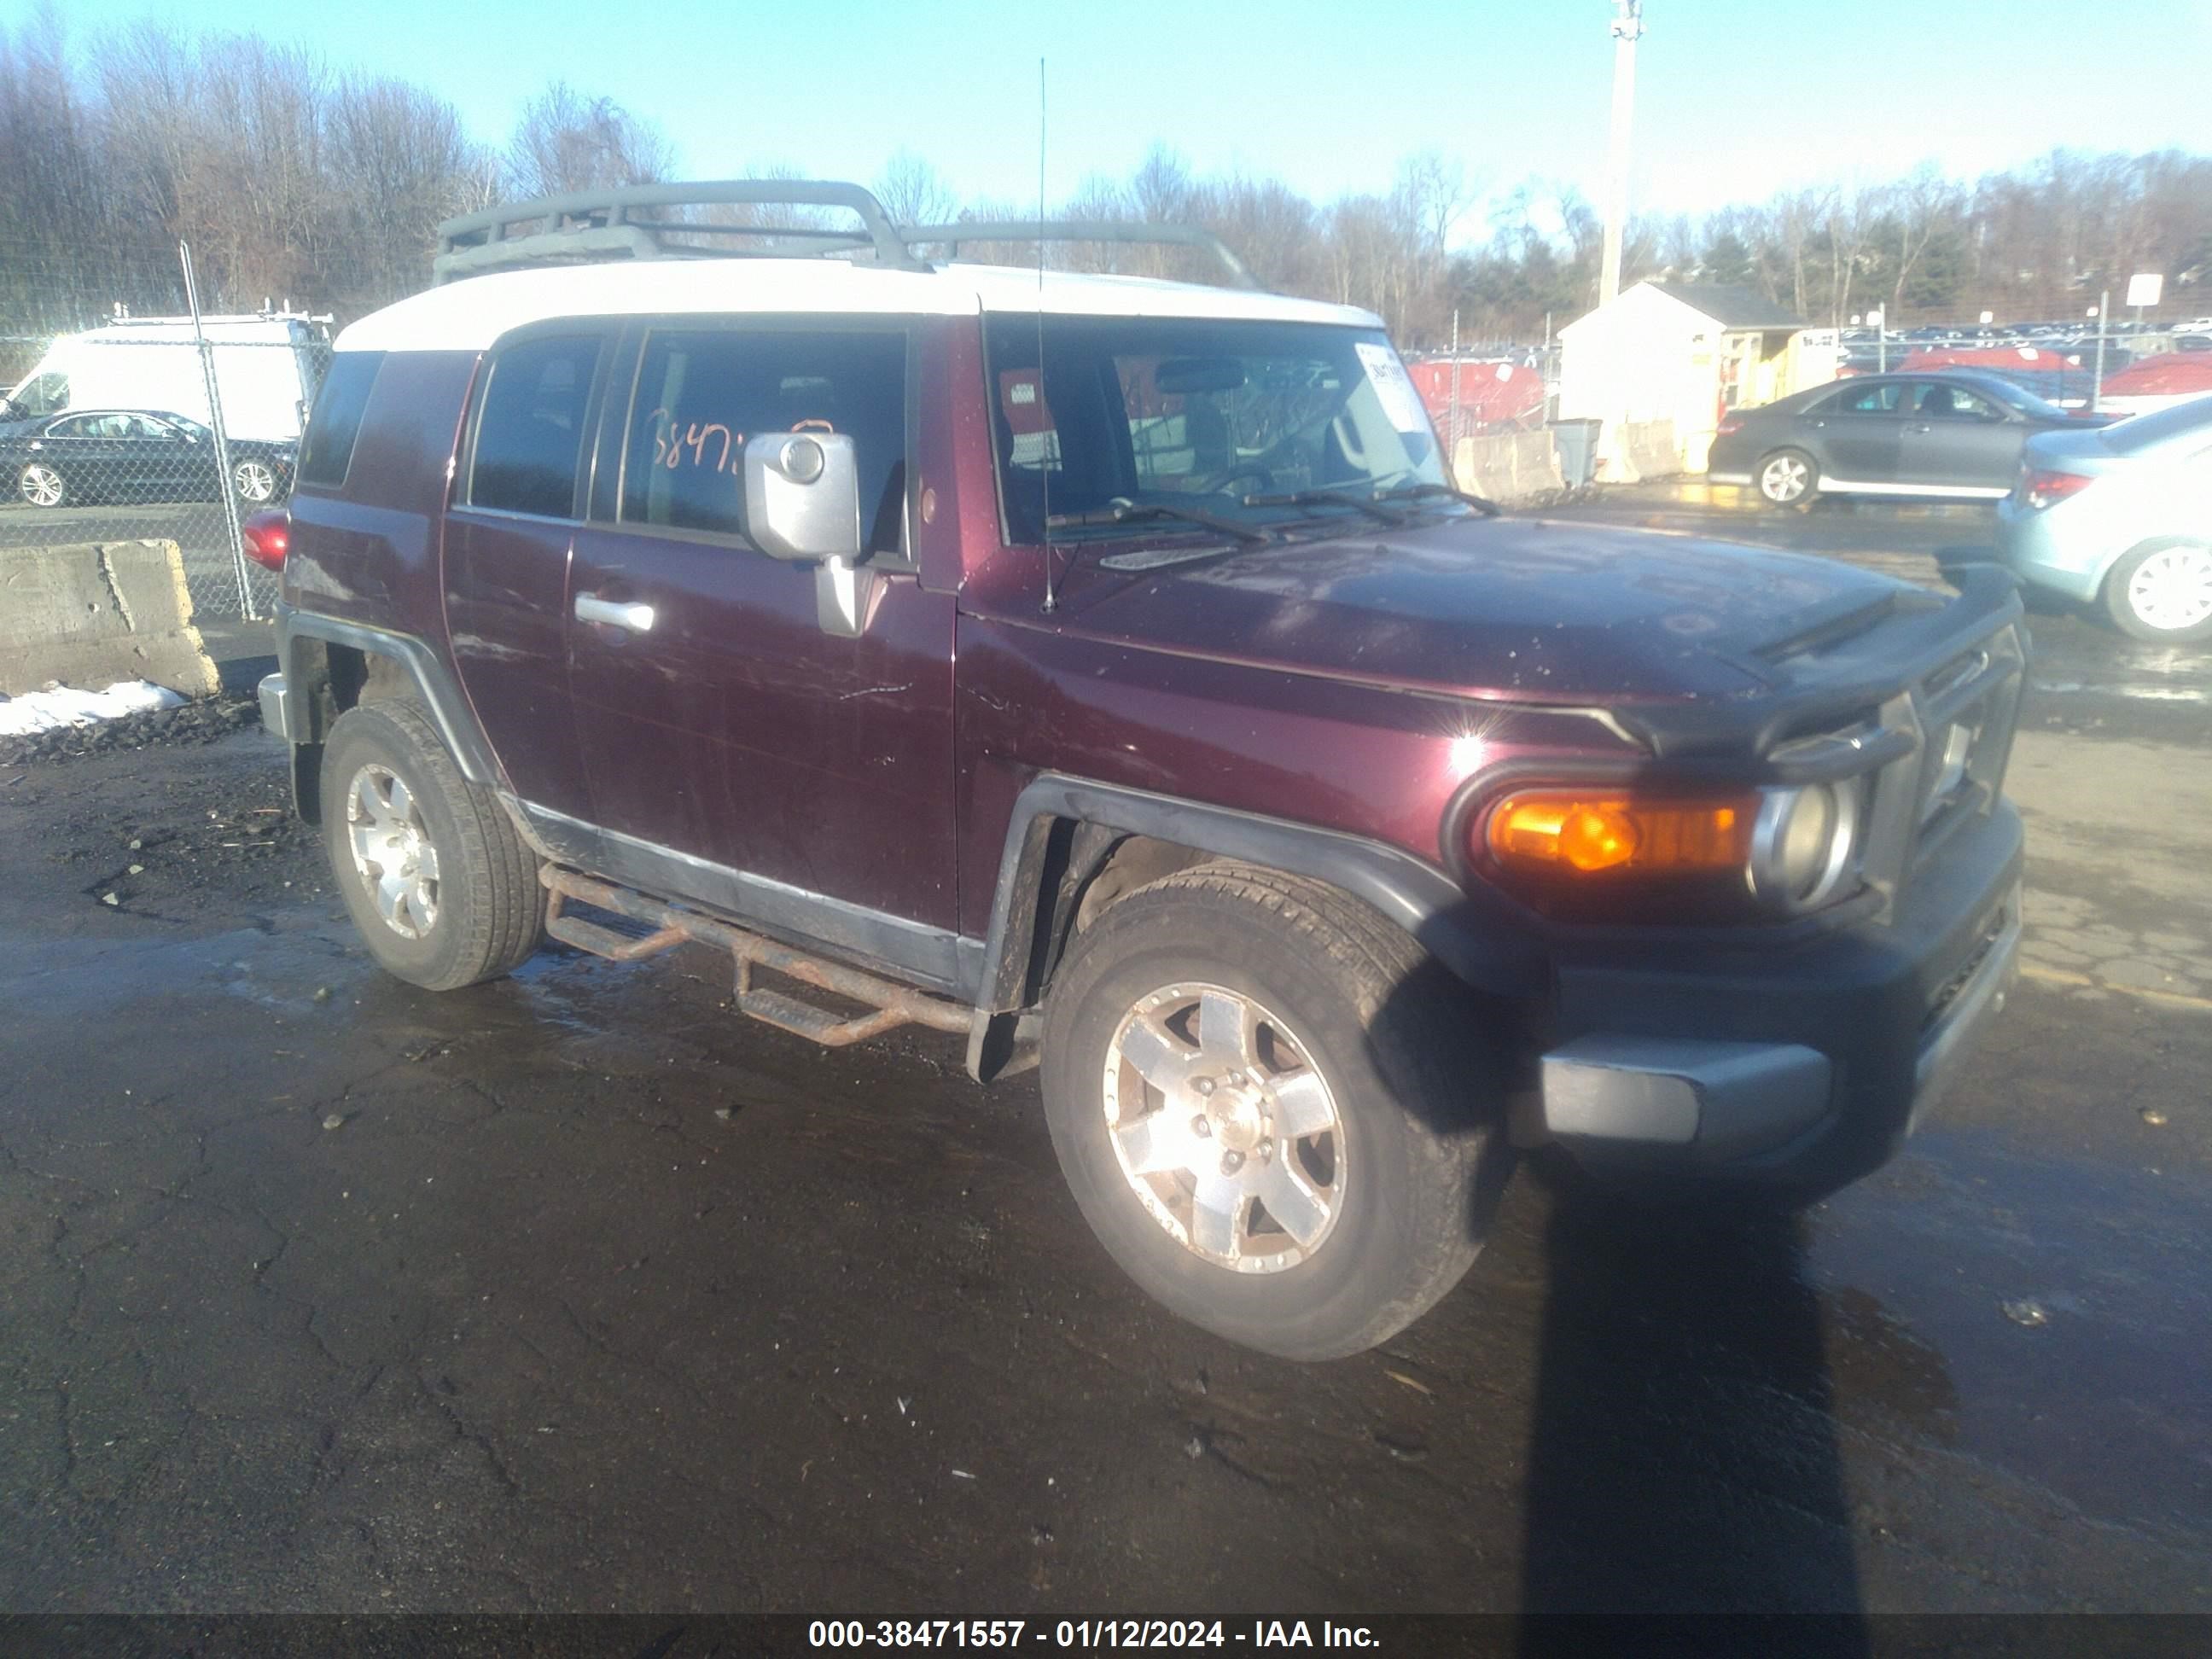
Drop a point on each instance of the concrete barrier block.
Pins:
(94, 612)
(1507, 465)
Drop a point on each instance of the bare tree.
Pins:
(1919, 206)
(566, 142)
(400, 162)
(914, 192)
(1847, 230)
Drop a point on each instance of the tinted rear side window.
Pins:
(530, 436)
(327, 449)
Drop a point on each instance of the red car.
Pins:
(1106, 670)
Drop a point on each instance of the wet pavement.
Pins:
(577, 1292)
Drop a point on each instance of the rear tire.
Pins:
(1787, 477)
(437, 878)
(2162, 592)
(256, 481)
(1359, 1101)
(41, 485)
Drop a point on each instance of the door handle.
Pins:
(637, 618)
(1920, 429)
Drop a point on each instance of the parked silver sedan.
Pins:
(2120, 516)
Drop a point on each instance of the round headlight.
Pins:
(1804, 844)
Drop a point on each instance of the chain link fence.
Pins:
(147, 417)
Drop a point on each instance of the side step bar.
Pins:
(889, 1006)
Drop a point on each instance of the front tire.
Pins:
(436, 877)
(1787, 477)
(1276, 1112)
(2163, 594)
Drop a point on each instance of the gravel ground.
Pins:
(177, 844)
(201, 720)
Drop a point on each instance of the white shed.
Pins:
(1681, 353)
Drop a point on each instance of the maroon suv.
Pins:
(1105, 669)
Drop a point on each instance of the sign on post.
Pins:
(2145, 287)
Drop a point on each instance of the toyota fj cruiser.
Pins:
(1106, 669)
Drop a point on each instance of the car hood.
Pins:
(1525, 610)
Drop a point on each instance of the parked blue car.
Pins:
(2120, 516)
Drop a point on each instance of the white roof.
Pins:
(469, 315)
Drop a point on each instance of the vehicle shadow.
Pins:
(1683, 1457)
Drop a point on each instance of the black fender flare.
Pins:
(1480, 948)
(442, 694)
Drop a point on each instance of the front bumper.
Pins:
(1803, 1073)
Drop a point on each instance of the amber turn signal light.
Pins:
(1573, 833)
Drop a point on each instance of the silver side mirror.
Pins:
(803, 495)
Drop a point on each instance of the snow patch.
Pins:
(58, 706)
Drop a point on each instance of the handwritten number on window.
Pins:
(670, 451)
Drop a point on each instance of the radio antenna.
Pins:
(1044, 460)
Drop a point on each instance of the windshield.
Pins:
(1196, 412)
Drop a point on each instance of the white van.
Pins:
(267, 367)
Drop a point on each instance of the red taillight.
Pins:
(267, 537)
(2041, 487)
(1730, 424)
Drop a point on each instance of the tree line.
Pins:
(293, 180)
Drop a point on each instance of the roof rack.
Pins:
(600, 224)
(587, 226)
(950, 237)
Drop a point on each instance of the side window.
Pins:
(701, 394)
(530, 433)
(77, 426)
(46, 394)
(1884, 399)
(1942, 402)
(326, 450)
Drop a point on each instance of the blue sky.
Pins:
(1737, 98)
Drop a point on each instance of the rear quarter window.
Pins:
(326, 450)
(530, 436)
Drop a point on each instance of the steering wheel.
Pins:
(1213, 486)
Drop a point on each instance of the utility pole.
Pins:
(1627, 29)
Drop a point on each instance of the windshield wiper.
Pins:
(1327, 498)
(1125, 512)
(1414, 492)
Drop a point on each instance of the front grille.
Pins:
(1965, 711)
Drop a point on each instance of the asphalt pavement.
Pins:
(577, 1293)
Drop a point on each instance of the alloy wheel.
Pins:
(256, 481)
(41, 486)
(1785, 479)
(392, 852)
(2172, 590)
(1227, 1131)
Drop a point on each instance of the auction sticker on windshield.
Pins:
(1402, 404)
